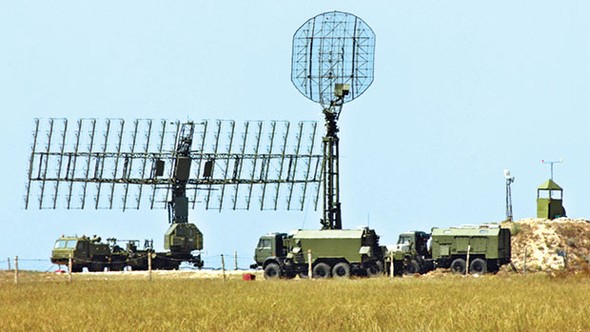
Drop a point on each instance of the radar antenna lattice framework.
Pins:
(115, 164)
(332, 64)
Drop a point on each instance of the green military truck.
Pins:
(94, 255)
(489, 248)
(411, 253)
(334, 253)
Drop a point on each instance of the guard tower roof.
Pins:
(550, 185)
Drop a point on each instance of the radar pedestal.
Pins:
(550, 200)
(332, 218)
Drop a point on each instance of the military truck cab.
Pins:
(411, 254)
(84, 252)
(269, 249)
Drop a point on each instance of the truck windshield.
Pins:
(264, 243)
(63, 244)
(404, 239)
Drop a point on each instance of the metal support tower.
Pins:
(178, 204)
(509, 181)
(332, 218)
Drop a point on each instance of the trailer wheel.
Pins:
(478, 266)
(413, 267)
(321, 270)
(341, 270)
(272, 271)
(458, 266)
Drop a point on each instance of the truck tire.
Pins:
(303, 275)
(321, 270)
(373, 270)
(341, 270)
(398, 268)
(272, 271)
(413, 267)
(458, 266)
(493, 266)
(479, 266)
(96, 267)
(77, 268)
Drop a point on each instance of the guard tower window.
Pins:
(553, 194)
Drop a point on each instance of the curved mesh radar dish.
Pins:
(332, 48)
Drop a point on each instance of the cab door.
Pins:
(81, 250)
(263, 249)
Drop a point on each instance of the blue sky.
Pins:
(462, 90)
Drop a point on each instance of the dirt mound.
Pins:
(550, 244)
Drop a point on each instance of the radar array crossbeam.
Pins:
(111, 163)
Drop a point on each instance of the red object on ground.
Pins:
(248, 276)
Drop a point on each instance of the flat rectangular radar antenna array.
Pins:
(113, 163)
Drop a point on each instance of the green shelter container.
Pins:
(550, 200)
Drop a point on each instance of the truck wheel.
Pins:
(272, 271)
(380, 267)
(398, 268)
(341, 270)
(117, 266)
(97, 267)
(373, 270)
(458, 266)
(478, 266)
(303, 275)
(413, 267)
(321, 270)
(493, 266)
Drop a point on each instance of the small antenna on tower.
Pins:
(551, 163)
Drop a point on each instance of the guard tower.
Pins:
(549, 200)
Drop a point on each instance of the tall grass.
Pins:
(446, 303)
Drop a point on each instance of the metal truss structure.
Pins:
(111, 164)
(332, 48)
(332, 64)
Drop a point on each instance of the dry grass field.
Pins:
(184, 302)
